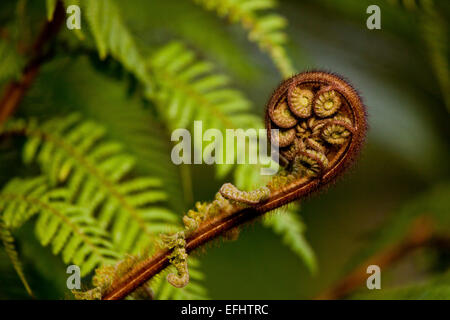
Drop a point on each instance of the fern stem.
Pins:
(195, 96)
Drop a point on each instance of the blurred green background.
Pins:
(406, 154)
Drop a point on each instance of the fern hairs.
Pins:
(329, 120)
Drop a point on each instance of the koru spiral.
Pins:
(321, 124)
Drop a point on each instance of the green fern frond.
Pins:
(97, 175)
(10, 248)
(113, 37)
(189, 89)
(69, 229)
(265, 29)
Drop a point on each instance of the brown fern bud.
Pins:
(326, 124)
(330, 129)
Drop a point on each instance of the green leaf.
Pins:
(69, 229)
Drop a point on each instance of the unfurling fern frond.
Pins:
(264, 29)
(10, 248)
(97, 175)
(188, 90)
(69, 229)
(113, 37)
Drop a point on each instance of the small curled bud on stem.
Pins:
(322, 124)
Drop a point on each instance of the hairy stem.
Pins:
(283, 189)
(208, 231)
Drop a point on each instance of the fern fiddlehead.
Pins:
(323, 147)
(325, 111)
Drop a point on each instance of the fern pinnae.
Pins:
(264, 29)
(189, 90)
(69, 229)
(113, 37)
(95, 175)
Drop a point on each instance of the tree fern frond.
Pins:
(264, 29)
(147, 139)
(15, 210)
(69, 229)
(113, 37)
(189, 90)
(10, 248)
(97, 175)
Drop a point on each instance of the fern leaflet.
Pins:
(289, 226)
(69, 229)
(112, 37)
(97, 174)
(188, 90)
(264, 29)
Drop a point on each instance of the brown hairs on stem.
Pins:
(329, 121)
